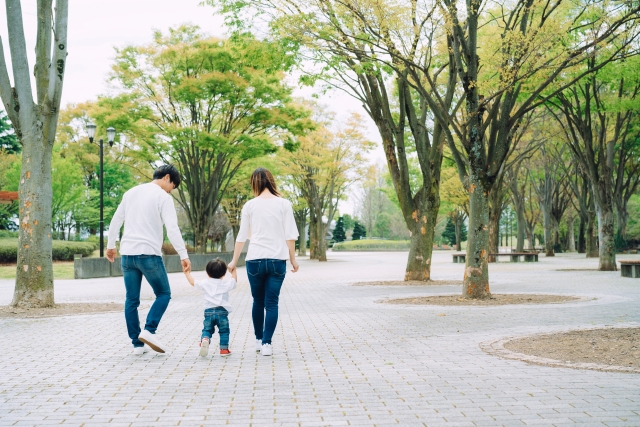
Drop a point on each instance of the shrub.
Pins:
(63, 250)
(168, 249)
(372, 245)
(7, 234)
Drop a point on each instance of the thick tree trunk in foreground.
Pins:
(476, 274)
(607, 252)
(34, 276)
(422, 232)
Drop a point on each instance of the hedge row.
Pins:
(6, 234)
(63, 250)
(372, 245)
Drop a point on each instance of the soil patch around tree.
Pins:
(63, 309)
(496, 299)
(411, 283)
(604, 349)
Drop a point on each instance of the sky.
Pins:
(97, 26)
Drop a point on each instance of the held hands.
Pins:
(186, 265)
(231, 266)
(295, 265)
(111, 254)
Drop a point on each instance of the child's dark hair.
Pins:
(216, 268)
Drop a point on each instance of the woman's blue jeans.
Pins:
(265, 277)
(152, 268)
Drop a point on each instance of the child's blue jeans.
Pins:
(213, 317)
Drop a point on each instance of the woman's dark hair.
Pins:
(261, 178)
(164, 170)
(216, 268)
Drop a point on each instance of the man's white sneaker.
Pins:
(258, 345)
(204, 347)
(138, 351)
(266, 350)
(151, 340)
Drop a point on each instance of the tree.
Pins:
(8, 140)
(369, 50)
(206, 104)
(359, 232)
(338, 232)
(323, 166)
(35, 124)
(449, 233)
(599, 118)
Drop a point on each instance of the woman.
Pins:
(267, 220)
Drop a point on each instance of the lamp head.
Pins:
(91, 131)
(111, 134)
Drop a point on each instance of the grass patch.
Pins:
(372, 245)
(62, 270)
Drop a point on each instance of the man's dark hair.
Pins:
(216, 268)
(164, 170)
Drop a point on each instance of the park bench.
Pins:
(630, 268)
(460, 258)
(515, 256)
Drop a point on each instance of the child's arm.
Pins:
(189, 277)
(234, 274)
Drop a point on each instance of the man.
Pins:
(144, 210)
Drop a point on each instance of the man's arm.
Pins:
(114, 229)
(170, 220)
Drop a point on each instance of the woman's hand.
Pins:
(295, 265)
(231, 266)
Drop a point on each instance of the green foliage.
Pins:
(449, 233)
(373, 245)
(62, 250)
(8, 139)
(358, 231)
(338, 232)
(348, 222)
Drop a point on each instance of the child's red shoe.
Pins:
(225, 352)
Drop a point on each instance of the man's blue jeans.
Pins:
(265, 277)
(152, 268)
(217, 316)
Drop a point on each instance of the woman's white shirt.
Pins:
(268, 223)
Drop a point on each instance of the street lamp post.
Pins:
(111, 133)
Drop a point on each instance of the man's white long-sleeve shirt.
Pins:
(144, 210)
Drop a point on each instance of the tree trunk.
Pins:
(494, 229)
(571, 238)
(591, 240)
(521, 226)
(321, 246)
(606, 239)
(582, 245)
(458, 227)
(548, 231)
(422, 233)
(34, 276)
(476, 274)
(302, 231)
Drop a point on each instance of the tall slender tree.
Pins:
(35, 122)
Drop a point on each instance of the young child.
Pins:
(215, 291)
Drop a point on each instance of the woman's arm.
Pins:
(237, 250)
(292, 254)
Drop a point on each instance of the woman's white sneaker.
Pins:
(258, 346)
(151, 340)
(266, 350)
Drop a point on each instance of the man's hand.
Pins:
(186, 265)
(231, 266)
(295, 265)
(111, 254)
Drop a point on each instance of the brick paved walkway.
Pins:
(339, 358)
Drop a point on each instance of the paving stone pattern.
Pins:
(339, 358)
